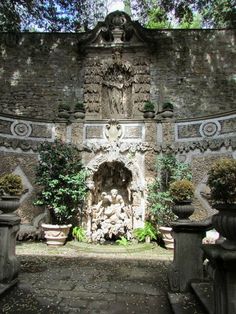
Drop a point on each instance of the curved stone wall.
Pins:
(193, 69)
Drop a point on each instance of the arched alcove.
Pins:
(112, 175)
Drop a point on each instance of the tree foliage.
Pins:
(214, 13)
(50, 15)
(77, 15)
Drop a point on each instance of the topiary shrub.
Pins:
(222, 181)
(167, 106)
(11, 184)
(149, 106)
(181, 190)
(79, 106)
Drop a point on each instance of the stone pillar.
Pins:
(223, 263)
(9, 266)
(188, 255)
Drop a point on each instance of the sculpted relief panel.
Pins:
(115, 204)
(115, 87)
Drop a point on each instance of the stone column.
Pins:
(188, 255)
(9, 266)
(223, 263)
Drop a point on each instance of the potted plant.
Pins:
(62, 177)
(221, 180)
(167, 110)
(182, 192)
(147, 233)
(11, 188)
(160, 201)
(64, 111)
(149, 110)
(79, 110)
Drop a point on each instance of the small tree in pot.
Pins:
(61, 176)
(222, 182)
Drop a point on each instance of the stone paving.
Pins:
(82, 278)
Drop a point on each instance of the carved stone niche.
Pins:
(117, 88)
(113, 202)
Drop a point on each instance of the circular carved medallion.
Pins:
(210, 129)
(21, 129)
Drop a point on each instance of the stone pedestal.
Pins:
(188, 255)
(9, 266)
(224, 277)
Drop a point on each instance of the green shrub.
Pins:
(222, 181)
(147, 231)
(79, 234)
(62, 177)
(11, 184)
(160, 201)
(149, 106)
(79, 106)
(181, 190)
(123, 241)
(64, 106)
(167, 106)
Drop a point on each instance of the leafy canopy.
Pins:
(50, 15)
(77, 15)
(186, 13)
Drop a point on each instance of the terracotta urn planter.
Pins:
(166, 233)
(9, 203)
(56, 235)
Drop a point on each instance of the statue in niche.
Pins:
(110, 216)
(117, 83)
(110, 204)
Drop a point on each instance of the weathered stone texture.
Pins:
(38, 72)
(9, 162)
(194, 69)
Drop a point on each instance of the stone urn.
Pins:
(9, 203)
(166, 233)
(79, 114)
(149, 114)
(225, 223)
(56, 235)
(64, 114)
(183, 209)
(167, 114)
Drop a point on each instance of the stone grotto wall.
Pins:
(113, 70)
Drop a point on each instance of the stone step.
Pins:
(185, 303)
(204, 293)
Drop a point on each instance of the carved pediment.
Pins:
(117, 30)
